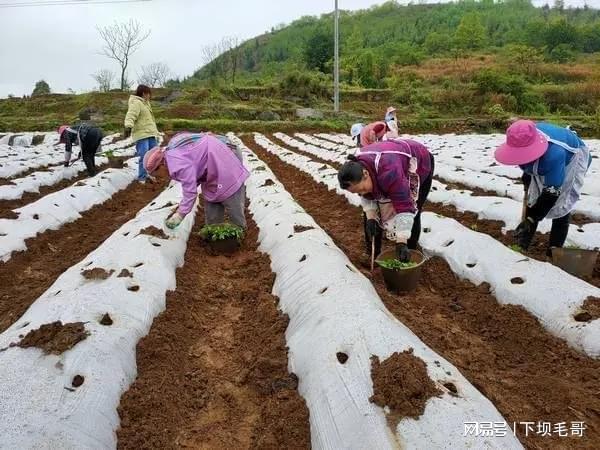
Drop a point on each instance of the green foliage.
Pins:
(395, 264)
(304, 84)
(41, 88)
(319, 50)
(437, 43)
(220, 232)
(470, 34)
(516, 248)
(562, 53)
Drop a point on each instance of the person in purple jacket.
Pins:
(393, 178)
(211, 162)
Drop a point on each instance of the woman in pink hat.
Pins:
(208, 161)
(87, 137)
(554, 161)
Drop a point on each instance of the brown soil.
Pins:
(125, 274)
(153, 231)
(55, 338)
(28, 274)
(97, 273)
(401, 383)
(503, 350)
(301, 228)
(106, 320)
(212, 373)
(591, 307)
(282, 144)
(7, 206)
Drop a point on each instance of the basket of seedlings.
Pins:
(223, 238)
(401, 277)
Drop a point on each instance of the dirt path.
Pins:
(28, 274)
(527, 373)
(212, 373)
(7, 206)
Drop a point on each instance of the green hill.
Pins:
(461, 66)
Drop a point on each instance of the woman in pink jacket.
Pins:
(211, 162)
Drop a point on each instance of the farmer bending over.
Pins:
(393, 178)
(87, 137)
(211, 162)
(554, 161)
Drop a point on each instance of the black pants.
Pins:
(89, 147)
(415, 232)
(558, 233)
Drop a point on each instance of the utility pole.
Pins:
(336, 64)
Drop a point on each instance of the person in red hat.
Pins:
(554, 161)
(87, 137)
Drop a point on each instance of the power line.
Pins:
(66, 2)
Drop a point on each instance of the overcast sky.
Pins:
(60, 43)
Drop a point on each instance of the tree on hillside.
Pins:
(525, 58)
(559, 32)
(41, 88)
(319, 51)
(104, 78)
(223, 58)
(470, 33)
(121, 41)
(155, 74)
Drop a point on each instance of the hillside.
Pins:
(446, 67)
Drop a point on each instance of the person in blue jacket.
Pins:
(554, 161)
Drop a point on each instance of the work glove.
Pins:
(402, 253)
(525, 232)
(126, 133)
(173, 221)
(544, 204)
(372, 227)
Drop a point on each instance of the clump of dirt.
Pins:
(77, 381)
(268, 182)
(153, 231)
(590, 310)
(125, 274)
(55, 338)
(97, 273)
(301, 228)
(402, 384)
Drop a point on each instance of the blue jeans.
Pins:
(142, 146)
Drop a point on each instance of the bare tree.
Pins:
(105, 79)
(223, 57)
(121, 40)
(155, 74)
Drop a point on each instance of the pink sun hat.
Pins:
(61, 129)
(524, 144)
(153, 159)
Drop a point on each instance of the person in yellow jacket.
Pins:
(141, 126)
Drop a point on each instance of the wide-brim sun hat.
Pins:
(524, 144)
(390, 110)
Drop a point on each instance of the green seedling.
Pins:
(220, 232)
(109, 154)
(516, 248)
(394, 264)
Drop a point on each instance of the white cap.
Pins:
(356, 129)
